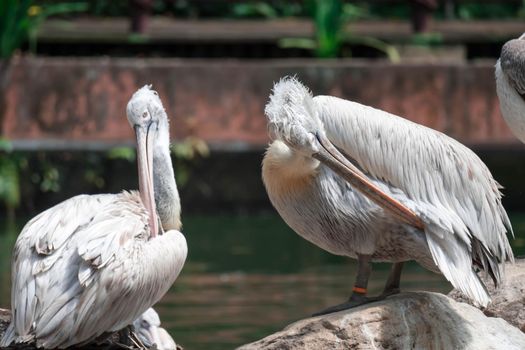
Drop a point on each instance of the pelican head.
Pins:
(145, 107)
(292, 117)
(147, 118)
(512, 52)
(149, 331)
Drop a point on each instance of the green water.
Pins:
(249, 276)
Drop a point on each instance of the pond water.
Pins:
(248, 276)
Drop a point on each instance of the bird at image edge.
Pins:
(363, 183)
(94, 263)
(510, 85)
(148, 329)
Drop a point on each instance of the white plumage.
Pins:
(149, 331)
(443, 182)
(93, 264)
(510, 85)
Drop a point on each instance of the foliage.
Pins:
(486, 11)
(295, 8)
(9, 178)
(254, 9)
(186, 152)
(427, 39)
(14, 168)
(330, 19)
(9, 181)
(126, 153)
(19, 20)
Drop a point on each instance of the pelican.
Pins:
(360, 182)
(510, 85)
(94, 263)
(149, 331)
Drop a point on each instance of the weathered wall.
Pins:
(52, 101)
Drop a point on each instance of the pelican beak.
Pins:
(145, 164)
(331, 157)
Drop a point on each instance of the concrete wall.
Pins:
(68, 103)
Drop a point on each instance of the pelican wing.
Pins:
(39, 246)
(85, 267)
(442, 180)
(512, 62)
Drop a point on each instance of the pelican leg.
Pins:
(393, 281)
(358, 296)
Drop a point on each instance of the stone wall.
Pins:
(80, 103)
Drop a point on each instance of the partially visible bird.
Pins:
(363, 183)
(510, 85)
(94, 264)
(148, 329)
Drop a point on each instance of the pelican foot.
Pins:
(340, 307)
(357, 300)
(388, 292)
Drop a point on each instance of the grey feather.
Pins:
(512, 62)
(510, 85)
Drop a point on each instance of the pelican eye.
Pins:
(145, 115)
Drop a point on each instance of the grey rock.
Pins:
(418, 320)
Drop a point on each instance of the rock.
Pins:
(5, 318)
(417, 320)
(508, 300)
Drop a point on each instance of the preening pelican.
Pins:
(390, 190)
(149, 331)
(510, 85)
(94, 264)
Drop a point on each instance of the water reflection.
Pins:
(246, 277)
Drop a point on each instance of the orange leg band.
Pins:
(359, 290)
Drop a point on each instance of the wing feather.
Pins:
(429, 167)
(512, 62)
(35, 252)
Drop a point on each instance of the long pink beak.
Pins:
(145, 164)
(331, 156)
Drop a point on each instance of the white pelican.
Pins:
(148, 329)
(94, 264)
(426, 197)
(510, 85)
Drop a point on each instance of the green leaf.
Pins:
(126, 153)
(389, 50)
(257, 9)
(352, 12)
(17, 24)
(299, 43)
(427, 39)
(5, 145)
(9, 182)
(50, 179)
